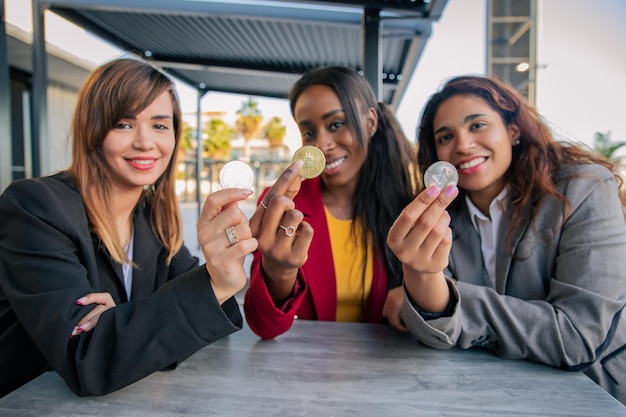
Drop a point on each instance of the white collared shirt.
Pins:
(488, 228)
(127, 267)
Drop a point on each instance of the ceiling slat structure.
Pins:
(260, 47)
(249, 47)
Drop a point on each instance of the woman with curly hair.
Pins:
(526, 255)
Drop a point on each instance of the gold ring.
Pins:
(289, 230)
(263, 204)
(232, 235)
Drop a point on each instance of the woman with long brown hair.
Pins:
(95, 280)
(525, 256)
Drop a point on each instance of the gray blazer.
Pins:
(559, 299)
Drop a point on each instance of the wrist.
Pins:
(279, 281)
(429, 292)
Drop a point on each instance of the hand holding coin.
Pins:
(236, 174)
(314, 161)
(441, 173)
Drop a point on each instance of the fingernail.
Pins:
(75, 331)
(81, 300)
(451, 190)
(298, 164)
(245, 191)
(433, 191)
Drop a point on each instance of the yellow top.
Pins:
(348, 255)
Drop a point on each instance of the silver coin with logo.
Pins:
(441, 173)
(236, 174)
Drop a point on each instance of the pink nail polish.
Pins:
(433, 191)
(451, 190)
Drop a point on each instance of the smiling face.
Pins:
(139, 148)
(472, 136)
(323, 123)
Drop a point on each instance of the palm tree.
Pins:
(186, 138)
(249, 120)
(605, 147)
(217, 136)
(275, 132)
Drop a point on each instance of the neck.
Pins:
(123, 206)
(339, 201)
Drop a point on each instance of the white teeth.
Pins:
(472, 163)
(334, 164)
(142, 161)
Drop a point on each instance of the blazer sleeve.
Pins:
(264, 318)
(565, 290)
(48, 258)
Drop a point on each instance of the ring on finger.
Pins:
(232, 235)
(289, 230)
(263, 204)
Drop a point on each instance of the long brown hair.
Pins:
(118, 88)
(537, 158)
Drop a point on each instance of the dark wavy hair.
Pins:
(388, 178)
(537, 158)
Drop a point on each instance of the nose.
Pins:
(464, 142)
(143, 138)
(324, 140)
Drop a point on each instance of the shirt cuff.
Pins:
(285, 305)
(431, 316)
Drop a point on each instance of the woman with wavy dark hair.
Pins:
(344, 271)
(525, 256)
(95, 281)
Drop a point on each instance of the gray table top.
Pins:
(331, 369)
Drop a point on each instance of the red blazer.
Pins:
(316, 298)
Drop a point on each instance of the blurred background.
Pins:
(575, 75)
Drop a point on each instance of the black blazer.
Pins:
(50, 257)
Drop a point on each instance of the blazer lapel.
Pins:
(466, 254)
(145, 246)
(110, 271)
(503, 257)
(323, 288)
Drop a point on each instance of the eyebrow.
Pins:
(155, 117)
(324, 117)
(161, 117)
(466, 119)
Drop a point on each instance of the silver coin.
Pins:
(236, 174)
(441, 173)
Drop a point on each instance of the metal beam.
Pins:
(39, 106)
(372, 50)
(6, 174)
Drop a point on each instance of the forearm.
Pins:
(429, 292)
(279, 281)
(180, 318)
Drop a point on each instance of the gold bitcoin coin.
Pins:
(314, 161)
